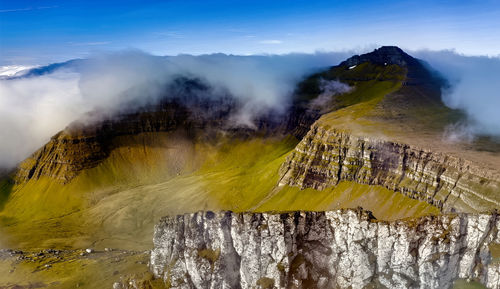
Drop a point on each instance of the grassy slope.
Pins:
(150, 175)
(71, 270)
(117, 203)
(113, 206)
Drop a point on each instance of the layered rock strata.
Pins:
(326, 156)
(335, 249)
(84, 145)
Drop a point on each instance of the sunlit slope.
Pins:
(115, 198)
(391, 129)
(403, 104)
(117, 203)
(72, 269)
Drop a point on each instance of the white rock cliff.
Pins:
(335, 249)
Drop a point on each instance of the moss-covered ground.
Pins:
(112, 206)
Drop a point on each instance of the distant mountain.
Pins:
(46, 69)
(12, 70)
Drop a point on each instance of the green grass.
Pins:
(125, 195)
(147, 176)
(366, 72)
(151, 175)
(117, 203)
(384, 204)
(6, 186)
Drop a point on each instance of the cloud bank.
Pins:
(475, 89)
(45, 101)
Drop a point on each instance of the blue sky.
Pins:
(38, 32)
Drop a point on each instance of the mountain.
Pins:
(368, 132)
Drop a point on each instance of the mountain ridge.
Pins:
(180, 153)
(377, 143)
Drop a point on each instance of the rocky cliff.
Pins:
(326, 156)
(188, 106)
(335, 249)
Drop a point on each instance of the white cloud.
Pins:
(475, 88)
(32, 109)
(11, 70)
(271, 41)
(89, 43)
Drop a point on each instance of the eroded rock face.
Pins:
(325, 157)
(335, 249)
(84, 145)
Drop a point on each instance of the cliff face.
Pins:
(84, 145)
(326, 156)
(336, 249)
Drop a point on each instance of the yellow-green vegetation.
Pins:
(154, 174)
(211, 255)
(464, 284)
(361, 109)
(385, 204)
(365, 72)
(150, 175)
(357, 115)
(265, 283)
(117, 203)
(380, 103)
(495, 252)
(5, 188)
(72, 269)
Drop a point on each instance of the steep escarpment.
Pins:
(327, 156)
(194, 107)
(83, 146)
(334, 249)
(377, 133)
(189, 108)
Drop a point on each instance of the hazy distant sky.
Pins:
(39, 32)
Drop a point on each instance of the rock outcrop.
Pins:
(326, 156)
(384, 55)
(335, 249)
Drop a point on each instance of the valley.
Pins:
(380, 146)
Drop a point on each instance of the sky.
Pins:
(44, 31)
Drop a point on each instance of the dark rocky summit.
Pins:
(384, 55)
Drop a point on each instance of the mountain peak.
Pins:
(384, 55)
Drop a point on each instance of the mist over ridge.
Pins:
(474, 88)
(36, 106)
(39, 103)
